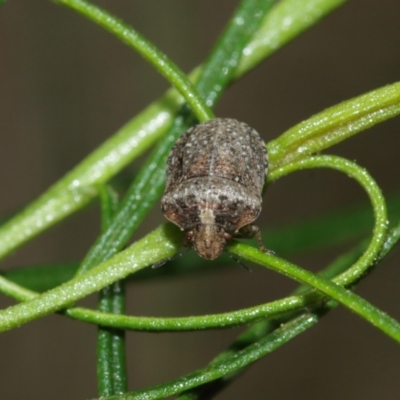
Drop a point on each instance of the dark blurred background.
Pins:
(66, 86)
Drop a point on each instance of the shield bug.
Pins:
(215, 176)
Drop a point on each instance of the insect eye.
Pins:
(227, 236)
(189, 235)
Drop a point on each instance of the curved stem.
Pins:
(147, 50)
(374, 193)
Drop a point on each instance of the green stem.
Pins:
(345, 297)
(111, 364)
(220, 67)
(284, 23)
(111, 358)
(147, 50)
(335, 124)
(374, 193)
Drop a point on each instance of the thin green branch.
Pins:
(109, 204)
(219, 68)
(111, 358)
(111, 364)
(345, 297)
(147, 50)
(192, 323)
(287, 20)
(335, 124)
(374, 193)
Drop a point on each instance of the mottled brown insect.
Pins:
(215, 175)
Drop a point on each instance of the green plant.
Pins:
(240, 48)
